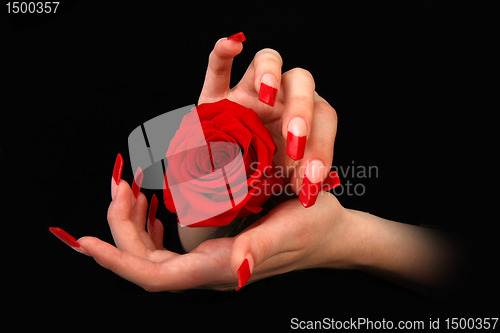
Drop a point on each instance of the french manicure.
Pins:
(237, 37)
(296, 138)
(244, 273)
(117, 175)
(268, 89)
(137, 184)
(311, 185)
(66, 239)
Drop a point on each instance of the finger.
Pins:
(135, 269)
(263, 76)
(166, 271)
(298, 89)
(318, 155)
(138, 214)
(218, 75)
(125, 232)
(270, 235)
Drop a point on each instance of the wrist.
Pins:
(363, 235)
(353, 246)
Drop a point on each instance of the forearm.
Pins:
(401, 252)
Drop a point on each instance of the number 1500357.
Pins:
(471, 323)
(40, 7)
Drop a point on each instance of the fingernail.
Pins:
(268, 89)
(311, 186)
(331, 181)
(237, 37)
(137, 184)
(66, 238)
(152, 210)
(296, 138)
(117, 175)
(244, 274)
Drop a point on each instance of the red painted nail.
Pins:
(295, 146)
(117, 174)
(237, 37)
(243, 274)
(66, 238)
(309, 192)
(117, 170)
(332, 181)
(267, 94)
(137, 184)
(152, 210)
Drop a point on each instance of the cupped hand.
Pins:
(288, 238)
(302, 123)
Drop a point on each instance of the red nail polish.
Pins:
(267, 94)
(243, 274)
(332, 181)
(137, 184)
(237, 37)
(295, 146)
(152, 210)
(117, 170)
(66, 238)
(309, 192)
(117, 174)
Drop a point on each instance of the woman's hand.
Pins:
(288, 238)
(139, 255)
(302, 123)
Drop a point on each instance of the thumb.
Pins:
(265, 238)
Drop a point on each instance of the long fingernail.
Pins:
(268, 89)
(331, 181)
(137, 184)
(244, 274)
(296, 138)
(117, 175)
(311, 185)
(66, 238)
(237, 37)
(152, 210)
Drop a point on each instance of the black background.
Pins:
(76, 83)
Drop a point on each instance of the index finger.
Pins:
(218, 76)
(131, 267)
(148, 274)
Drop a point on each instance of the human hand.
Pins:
(139, 255)
(302, 123)
(288, 238)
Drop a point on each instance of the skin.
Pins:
(289, 237)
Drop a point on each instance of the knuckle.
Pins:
(326, 110)
(111, 210)
(302, 103)
(269, 53)
(264, 247)
(301, 73)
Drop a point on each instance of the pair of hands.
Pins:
(290, 237)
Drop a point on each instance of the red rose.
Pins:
(219, 165)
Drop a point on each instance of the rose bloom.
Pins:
(223, 173)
